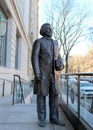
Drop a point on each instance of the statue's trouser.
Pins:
(53, 103)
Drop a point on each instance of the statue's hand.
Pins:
(38, 80)
(38, 77)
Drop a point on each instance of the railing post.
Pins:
(3, 88)
(78, 96)
(67, 90)
(13, 90)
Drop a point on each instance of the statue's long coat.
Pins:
(42, 60)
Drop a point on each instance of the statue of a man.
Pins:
(44, 53)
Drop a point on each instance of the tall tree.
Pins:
(68, 24)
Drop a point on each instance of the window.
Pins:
(3, 36)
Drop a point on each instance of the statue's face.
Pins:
(46, 30)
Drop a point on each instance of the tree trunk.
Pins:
(66, 64)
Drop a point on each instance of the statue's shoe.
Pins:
(57, 122)
(42, 123)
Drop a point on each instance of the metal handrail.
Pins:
(79, 75)
(22, 86)
(21, 90)
(14, 88)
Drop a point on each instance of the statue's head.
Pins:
(46, 30)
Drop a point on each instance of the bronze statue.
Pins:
(44, 53)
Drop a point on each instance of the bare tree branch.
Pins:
(68, 25)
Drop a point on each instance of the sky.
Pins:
(81, 48)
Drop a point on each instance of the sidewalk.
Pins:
(24, 117)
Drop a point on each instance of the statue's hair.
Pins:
(43, 29)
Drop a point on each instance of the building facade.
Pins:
(18, 29)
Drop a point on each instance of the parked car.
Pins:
(86, 88)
